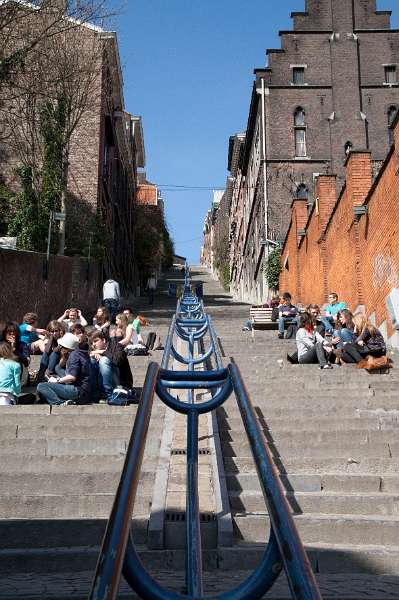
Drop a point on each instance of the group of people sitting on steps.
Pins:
(334, 337)
(79, 364)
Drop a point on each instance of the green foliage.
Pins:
(12, 64)
(272, 268)
(52, 128)
(225, 276)
(221, 251)
(6, 204)
(153, 246)
(168, 250)
(26, 225)
(29, 222)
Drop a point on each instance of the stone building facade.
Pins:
(331, 88)
(349, 245)
(106, 150)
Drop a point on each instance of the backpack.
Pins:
(290, 334)
(137, 350)
(122, 396)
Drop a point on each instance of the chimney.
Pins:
(326, 197)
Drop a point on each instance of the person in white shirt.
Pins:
(71, 317)
(312, 347)
(111, 297)
(151, 286)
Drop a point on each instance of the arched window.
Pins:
(392, 111)
(299, 117)
(300, 132)
(302, 192)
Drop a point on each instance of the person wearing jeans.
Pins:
(332, 309)
(104, 375)
(74, 386)
(312, 348)
(286, 313)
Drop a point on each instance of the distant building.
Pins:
(330, 89)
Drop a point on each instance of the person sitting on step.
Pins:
(369, 341)
(109, 366)
(286, 313)
(31, 334)
(11, 335)
(102, 320)
(71, 317)
(331, 312)
(344, 331)
(50, 359)
(10, 375)
(312, 347)
(74, 386)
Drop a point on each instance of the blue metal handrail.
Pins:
(284, 549)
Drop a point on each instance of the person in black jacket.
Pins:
(369, 341)
(109, 366)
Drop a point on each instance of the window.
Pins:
(392, 111)
(298, 75)
(299, 117)
(300, 132)
(390, 74)
(302, 192)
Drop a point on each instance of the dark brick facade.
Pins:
(343, 48)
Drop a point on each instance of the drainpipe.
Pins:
(265, 197)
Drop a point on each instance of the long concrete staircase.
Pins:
(333, 435)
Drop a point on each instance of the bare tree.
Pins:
(18, 39)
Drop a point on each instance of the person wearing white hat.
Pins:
(74, 386)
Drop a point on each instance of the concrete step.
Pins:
(340, 466)
(346, 450)
(332, 423)
(327, 529)
(323, 503)
(328, 482)
(48, 533)
(312, 436)
(67, 506)
(67, 483)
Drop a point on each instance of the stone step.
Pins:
(270, 401)
(66, 506)
(35, 464)
(64, 431)
(67, 483)
(329, 558)
(311, 437)
(307, 424)
(50, 533)
(321, 502)
(328, 529)
(345, 450)
(329, 482)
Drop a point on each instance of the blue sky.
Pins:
(188, 70)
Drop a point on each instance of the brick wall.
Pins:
(355, 256)
(71, 282)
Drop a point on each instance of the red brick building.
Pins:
(349, 245)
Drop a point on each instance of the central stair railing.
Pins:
(118, 553)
